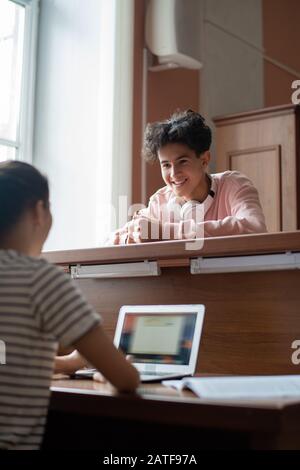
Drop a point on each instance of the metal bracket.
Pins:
(103, 271)
(234, 264)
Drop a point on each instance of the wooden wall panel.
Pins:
(263, 165)
(250, 323)
(270, 127)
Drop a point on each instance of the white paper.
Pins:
(253, 387)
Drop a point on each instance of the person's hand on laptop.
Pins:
(98, 377)
(72, 362)
(69, 363)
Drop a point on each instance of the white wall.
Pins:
(75, 117)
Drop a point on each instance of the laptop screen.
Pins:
(158, 338)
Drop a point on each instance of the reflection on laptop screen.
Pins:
(158, 338)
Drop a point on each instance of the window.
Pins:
(18, 27)
(83, 116)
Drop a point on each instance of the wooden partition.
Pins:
(252, 316)
(264, 144)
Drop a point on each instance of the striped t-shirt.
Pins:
(39, 308)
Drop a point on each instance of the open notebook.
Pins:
(242, 387)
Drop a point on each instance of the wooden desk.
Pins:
(251, 318)
(87, 415)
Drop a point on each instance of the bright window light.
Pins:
(7, 153)
(18, 20)
(12, 19)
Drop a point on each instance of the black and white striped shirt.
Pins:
(39, 308)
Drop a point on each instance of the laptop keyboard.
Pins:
(159, 377)
(88, 374)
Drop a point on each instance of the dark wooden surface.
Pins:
(157, 416)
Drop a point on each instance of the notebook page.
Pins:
(241, 387)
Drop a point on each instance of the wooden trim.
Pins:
(170, 263)
(297, 146)
(250, 150)
(256, 114)
(175, 250)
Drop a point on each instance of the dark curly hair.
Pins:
(21, 187)
(187, 127)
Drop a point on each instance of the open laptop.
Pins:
(162, 341)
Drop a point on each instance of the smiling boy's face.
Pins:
(183, 171)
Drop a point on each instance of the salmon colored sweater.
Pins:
(231, 208)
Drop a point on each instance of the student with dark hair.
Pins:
(40, 308)
(193, 203)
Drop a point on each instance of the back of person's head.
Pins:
(187, 127)
(21, 187)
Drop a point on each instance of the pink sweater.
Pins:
(232, 209)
